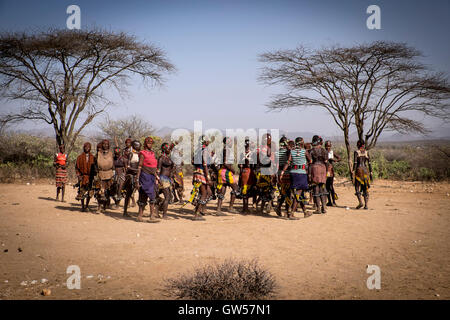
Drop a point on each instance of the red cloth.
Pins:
(149, 158)
(247, 177)
(61, 177)
(61, 159)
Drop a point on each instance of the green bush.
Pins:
(425, 174)
(341, 168)
(425, 161)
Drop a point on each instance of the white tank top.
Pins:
(134, 158)
(330, 154)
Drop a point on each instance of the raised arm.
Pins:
(337, 157)
(205, 165)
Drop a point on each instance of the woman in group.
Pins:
(130, 186)
(200, 176)
(176, 154)
(247, 177)
(318, 172)
(165, 169)
(120, 164)
(60, 162)
(147, 179)
(284, 179)
(266, 180)
(362, 173)
(128, 145)
(332, 158)
(105, 166)
(225, 178)
(95, 178)
(308, 148)
(298, 162)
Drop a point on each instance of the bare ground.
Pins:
(405, 232)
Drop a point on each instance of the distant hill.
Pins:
(436, 134)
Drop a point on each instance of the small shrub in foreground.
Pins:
(229, 280)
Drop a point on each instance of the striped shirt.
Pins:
(298, 160)
(282, 156)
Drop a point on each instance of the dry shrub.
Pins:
(229, 280)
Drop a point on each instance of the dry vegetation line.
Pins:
(405, 233)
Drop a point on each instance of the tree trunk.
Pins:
(348, 149)
(63, 139)
(59, 139)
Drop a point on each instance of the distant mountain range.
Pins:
(437, 134)
(307, 136)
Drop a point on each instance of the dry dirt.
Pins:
(405, 232)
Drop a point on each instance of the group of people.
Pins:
(303, 174)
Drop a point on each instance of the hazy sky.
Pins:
(214, 45)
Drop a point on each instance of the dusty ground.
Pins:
(405, 233)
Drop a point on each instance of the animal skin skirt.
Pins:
(318, 173)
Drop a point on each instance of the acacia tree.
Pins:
(372, 87)
(61, 75)
(133, 126)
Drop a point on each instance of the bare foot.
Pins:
(232, 210)
(308, 214)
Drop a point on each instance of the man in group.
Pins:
(84, 169)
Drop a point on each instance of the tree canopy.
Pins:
(368, 87)
(60, 75)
